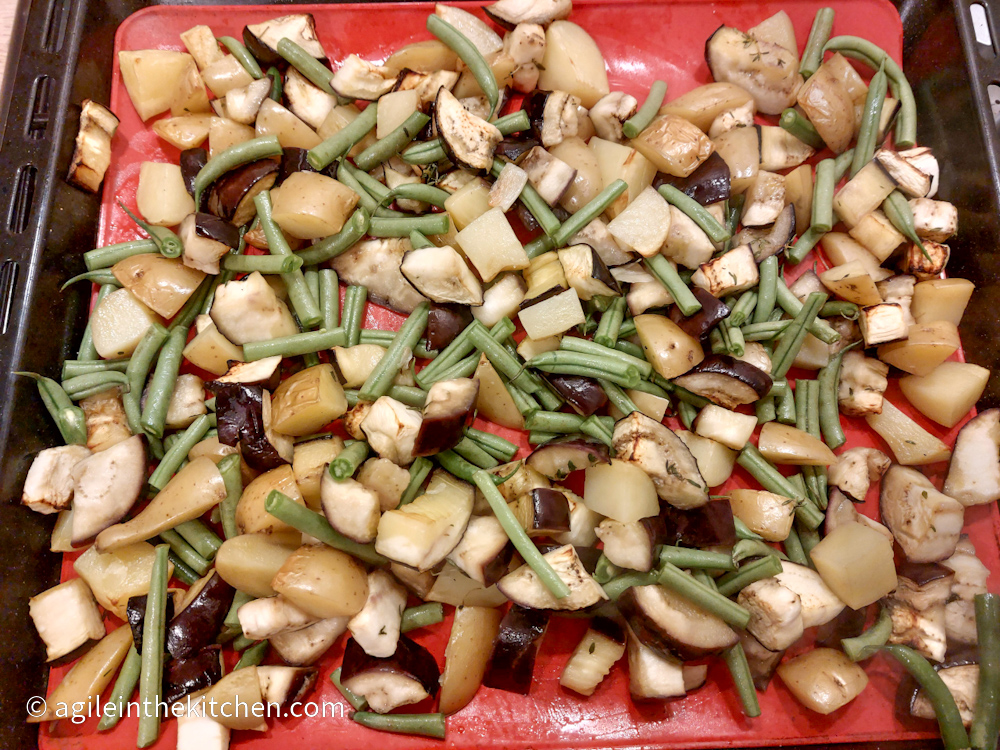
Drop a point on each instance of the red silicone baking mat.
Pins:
(641, 41)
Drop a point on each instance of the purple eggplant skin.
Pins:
(444, 323)
(135, 613)
(411, 659)
(589, 557)
(708, 184)
(513, 148)
(240, 410)
(523, 215)
(199, 623)
(710, 525)
(229, 190)
(534, 105)
(451, 406)
(499, 566)
(585, 395)
(850, 623)
(305, 680)
(550, 510)
(196, 672)
(559, 458)
(192, 160)
(923, 573)
(512, 660)
(609, 629)
(293, 160)
(712, 312)
(211, 226)
(727, 381)
(266, 56)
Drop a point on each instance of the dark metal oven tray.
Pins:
(60, 54)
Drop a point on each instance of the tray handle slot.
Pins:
(38, 112)
(56, 25)
(22, 198)
(8, 281)
(982, 30)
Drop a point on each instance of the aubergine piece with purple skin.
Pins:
(542, 512)
(584, 394)
(135, 613)
(726, 381)
(206, 239)
(632, 545)
(709, 183)
(191, 161)
(698, 325)
(670, 625)
(196, 672)
(240, 410)
(484, 552)
(408, 676)
(514, 147)
(283, 686)
(762, 661)
(923, 585)
(293, 160)
(264, 372)
(261, 39)
(709, 525)
(444, 323)
(559, 458)
(850, 623)
(512, 660)
(771, 239)
(199, 623)
(589, 557)
(231, 196)
(448, 409)
(587, 273)
(469, 141)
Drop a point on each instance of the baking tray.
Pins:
(61, 53)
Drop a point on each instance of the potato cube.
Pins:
(877, 235)
(926, 347)
(644, 224)
(491, 245)
(309, 205)
(307, 401)
(941, 299)
(152, 78)
(855, 561)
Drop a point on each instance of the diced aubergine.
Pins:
(962, 681)
(444, 323)
(510, 13)
(66, 617)
(135, 613)
(524, 587)
(242, 104)
(484, 553)
(925, 522)
(708, 184)
(197, 624)
(408, 676)
(360, 79)
(708, 525)
(763, 662)
(468, 140)
(610, 113)
(631, 545)
(449, 407)
(652, 674)
(726, 381)
(282, 686)
(441, 275)
(513, 147)
(197, 671)
(206, 239)
(304, 647)
(559, 458)
(769, 240)
(856, 469)
(48, 488)
(584, 394)
(376, 627)
(513, 657)
(542, 512)
(242, 419)
(375, 263)
(191, 162)
(351, 508)
(924, 585)
(231, 197)
(550, 176)
(601, 647)
(262, 38)
(105, 486)
(698, 325)
(587, 273)
(264, 372)
(974, 472)
(768, 71)
(293, 160)
(553, 116)
(261, 619)
(92, 153)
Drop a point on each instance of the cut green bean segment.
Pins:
(765, 473)
(665, 272)
(358, 702)
(687, 414)
(177, 453)
(617, 397)
(696, 212)
(425, 725)
(593, 427)
(151, 670)
(793, 306)
(380, 379)
(242, 643)
(588, 365)
(745, 548)
(242, 54)
(798, 125)
(584, 346)
(101, 380)
(185, 552)
(741, 311)
(597, 206)
(649, 109)
(698, 593)
(74, 367)
(182, 571)
(532, 201)
(330, 247)
(460, 44)
(262, 263)
(354, 310)
(161, 385)
(829, 409)
(205, 541)
(306, 64)
(312, 523)
(687, 557)
(986, 719)
(507, 364)
(416, 191)
(620, 584)
(871, 118)
(953, 732)
(842, 308)
(234, 156)
(743, 531)
(334, 147)
(385, 148)
(801, 247)
(822, 202)
(381, 226)
(869, 643)
(349, 460)
(791, 340)
(608, 330)
(494, 444)
(329, 298)
(372, 194)
(107, 256)
(431, 152)
(819, 34)
(739, 668)
(733, 583)
(471, 452)
(420, 469)
(253, 655)
(295, 345)
(229, 467)
(421, 616)
(522, 543)
(138, 370)
(419, 240)
(100, 276)
(794, 548)
(277, 85)
(121, 693)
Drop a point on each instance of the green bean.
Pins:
(793, 546)
(74, 367)
(358, 702)
(793, 306)
(419, 470)
(986, 719)
(182, 572)
(438, 223)
(801, 247)
(532, 201)
(419, 240)
(754, 548)
(102, 380)
(605, 570)
(741, 311)
(897, 210)
(242, 643)
(494, 444)
(303, 304)
(524, 402)
(295, 345)
(620, 584)
(649, 109)
(812, 55)
(262, 263)
(425, 725)
(611, 323)
(234, 156)
(841, 164)
(185, 552)
(415, 397)
(764, 567)
(764, 472)
(385, 148)
(329, 298)
(161, 385)
(687, 414)
(593, 427)
(312, 523)
(829, 412)
(330, 247)
(842, 308)
(421, 616)
(199, 303)
(696, 212)
(205, 541)
(634, 350)
(953, 732)
(540, 437)
(348, 460)
(354, 310)
(798, 125)
(597, 206)
(416, 191)
(168, 243)
(255, 654)
(242, 54)
(385, 371)
(151, 669)
(874, 56)
(701, 595)
(665, 272)
(822, 202)
(306, 64)
(584, 346)
(733, 338)
(687, 557)
(109, 255)
(765, 410)
(506, 363)
(125, 685)
(791, 340)
(618, 397)
(471, 452)
(276, 84)
(337, 145)
(869, 643)
(736, 660)
(767, 290)
(138, 370)
(458, 43)
(369, 198)
(431, 152)
(540, 245)
(587, 365)
(743, 531)
(177, 453)
(100, 276)
(522, 543)
(870, 121)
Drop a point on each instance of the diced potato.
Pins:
(119, 323)
(573, 63)
(494, 401)
(863, 194)
(941, 299)
(161, 197)
(740, 148)
(948, 392)
(552, 316)
(855, 561)
(239, 688)
(731, 428)
(273, 119)
(307, 401)
(152, 78)
(323, 582)
(223, 133)
(210, 350)
(491, 245)
(468, 203)
(224, 75)
(249, 562)
(309, 463)
(926, 347)
(703, 104)
(309, 205)
(673, 145)
(251, 518)
(587, 183)
(668, 348)
(393, 109)
(654, 407)
(467, 655)
(644, 224)
(765, 513)
(813, 354)
(618, 162)
(784, 444)
(116, 576)
(840, 248)
(164, 284)
(852, 283)
(423, 57)
(823, 679)
(621, 491)
(190, 97)
(188, 131)
(203, 46)
(877, 235)
(798, 193)
(910, 443)
(829, 106)
(715, 460)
